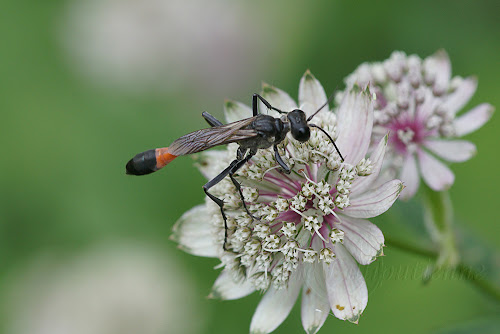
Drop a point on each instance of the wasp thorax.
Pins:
(298, 125)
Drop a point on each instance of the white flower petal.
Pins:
(436, 174)
(226, 288)
(452, 150)
(315, 306)
(374, 202)
(276, 305)
(361, 184)
(211, 163)
(311, 94)
(362, 239)
(473, 119)
(355, 122)
(194, 233)
(410, 177)
(345, 285)
(277, 98)
(235, 111)
(438, 68)
(462, 94)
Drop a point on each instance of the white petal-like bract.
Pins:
(355, 117)
(452, 150)
(473, 119)
(374, 202)
(225, 287)
(346, 287)
(436, 174)
(275, 306)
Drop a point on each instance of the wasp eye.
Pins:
(301, 134)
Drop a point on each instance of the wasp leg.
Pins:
(267, 104)
(240, 153)
(280, 161)
(211, 120)
(218, 201)
(238, 165)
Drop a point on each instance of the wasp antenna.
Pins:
(331, 139)
(324, 105)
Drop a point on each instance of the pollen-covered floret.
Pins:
(336, 235)
(327, 255)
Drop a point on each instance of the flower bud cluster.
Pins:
(405, 84)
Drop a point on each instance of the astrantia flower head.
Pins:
(418, 101)
(310, 228)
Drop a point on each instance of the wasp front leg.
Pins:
(263, 100)
(280, 161)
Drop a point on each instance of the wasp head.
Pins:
(298, 125)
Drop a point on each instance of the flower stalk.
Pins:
(438, 219)
(465, 269)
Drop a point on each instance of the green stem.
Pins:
(405, 246)
(439, 222)
(475, 278)
(461, 268)
(438, 218)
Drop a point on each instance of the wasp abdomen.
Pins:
(149, 161)
(142, 164)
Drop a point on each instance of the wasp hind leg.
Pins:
(230, 170)
(211, 120)
(217, 200)
(240, 162)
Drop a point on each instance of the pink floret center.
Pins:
(413, 129)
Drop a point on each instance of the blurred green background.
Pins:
(85, 85)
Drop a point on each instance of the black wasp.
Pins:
(257, 132)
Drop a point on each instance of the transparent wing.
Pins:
(204, 139)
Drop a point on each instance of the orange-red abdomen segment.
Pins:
(163, 157)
